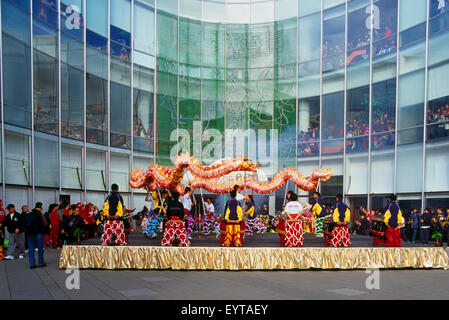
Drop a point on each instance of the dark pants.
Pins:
(36, 241)
(2, 236)
(404, 236)
(424, 235)
(414, 234)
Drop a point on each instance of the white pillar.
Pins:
(304, 115)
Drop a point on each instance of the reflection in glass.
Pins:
(45, 95)
(17, 82)
(96, 110)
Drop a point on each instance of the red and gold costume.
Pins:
(341, 215)
(175, 228)
(55, 222)
(393, 218)
(293, 224)
(113, 225)
(233, 219)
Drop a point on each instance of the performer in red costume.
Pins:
(293, 222)
(55, 222)
(280, 227)
(175, 217)
(341, 217)
(113, 212)
(393, 219)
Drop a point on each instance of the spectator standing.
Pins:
(24, 213)
(414, 224)
(35, 224)
(15, 225)
(47, 231)
(2, 227)
(426, 222)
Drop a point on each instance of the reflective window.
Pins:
(72, 19)
(438, 106)
(17, 159)
(383, 115)
(97, 17)
(96, 175)
(96, 110)
(438, 7)
(333, 116)
(307, 7)
(334, 39)
(411, 100)
(97, 62)
(45, 38)
(143, 28)
(45, 98)
(72, 167)
(357, 120)
(72, 102)
(310, 49)
(309, 127)
(72, 52)
(46, 11)
(385, 28)
(120, 171)
(46, 162)
(120, 116)
(16, 82)
(16, 23)
(25, 4)
(413, 12)
(358, 31)
(143, 120)
(121, 22)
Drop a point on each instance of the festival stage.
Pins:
(261, 252)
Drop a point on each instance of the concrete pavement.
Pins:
(17, 281)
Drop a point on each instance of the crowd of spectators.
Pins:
(140, 131)
(432, 224)
(308, 142)
(359, 43)
(438, 118)
(45, 121)
(71, 131)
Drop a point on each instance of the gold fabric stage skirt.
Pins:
(250, 258)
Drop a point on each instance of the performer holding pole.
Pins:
(393, 220)
(341, 217)
(186, 201)
(158, 211)
(318, 213)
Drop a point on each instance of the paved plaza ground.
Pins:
(17, 281)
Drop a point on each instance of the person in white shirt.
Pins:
(187, 202)
(210, 221)
(293, 222)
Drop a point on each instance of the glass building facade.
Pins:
(92, 89)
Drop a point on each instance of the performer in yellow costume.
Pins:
(233, 218)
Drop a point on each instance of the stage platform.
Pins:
(261, 252)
